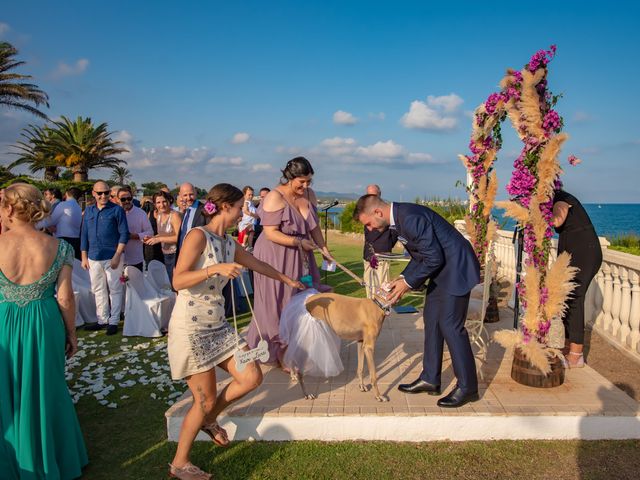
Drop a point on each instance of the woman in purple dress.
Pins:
(291, 231)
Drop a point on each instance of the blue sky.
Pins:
(370, 92)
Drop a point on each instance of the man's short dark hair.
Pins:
(125, 188)
(265, 189)
(55, 192)
(364, 204)
(73, 192)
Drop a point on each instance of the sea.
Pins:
(609, 219)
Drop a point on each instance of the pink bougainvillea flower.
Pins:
(573, 160)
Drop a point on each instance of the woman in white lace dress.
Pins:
(199, 336)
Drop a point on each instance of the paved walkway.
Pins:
(587, 405)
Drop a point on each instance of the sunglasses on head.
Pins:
(101, 193)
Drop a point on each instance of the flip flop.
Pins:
(215, 431)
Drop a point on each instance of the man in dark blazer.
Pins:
(194, 215)
(440, 254)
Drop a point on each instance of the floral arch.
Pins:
(528, 103)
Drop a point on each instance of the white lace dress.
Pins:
(199, 336)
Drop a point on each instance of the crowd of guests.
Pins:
(44, 233)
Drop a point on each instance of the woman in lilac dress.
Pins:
(291, 231)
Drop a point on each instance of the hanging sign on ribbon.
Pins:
(244, 357)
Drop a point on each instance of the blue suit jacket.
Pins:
(438, 251)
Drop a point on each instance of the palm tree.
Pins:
(81, 146)
(120, 175)
(34, 152)
(13, 91)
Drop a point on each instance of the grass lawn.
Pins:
(123, 388)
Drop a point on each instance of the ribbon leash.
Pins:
(360, 281)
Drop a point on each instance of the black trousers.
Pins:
(444, 318)
(587, 256)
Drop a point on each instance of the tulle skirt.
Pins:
(312, 346)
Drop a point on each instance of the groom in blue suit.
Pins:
(440, 254)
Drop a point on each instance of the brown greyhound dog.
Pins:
(358, 319)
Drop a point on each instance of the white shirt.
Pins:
(392, 221)
(66, 217)
(247, 220)
(139, 224)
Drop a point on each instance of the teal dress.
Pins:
(40, 434)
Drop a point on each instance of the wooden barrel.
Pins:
(492, 314)
(526, 374)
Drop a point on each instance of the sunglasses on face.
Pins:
(101, 193)
(125, 199)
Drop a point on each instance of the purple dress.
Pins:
(271, 296)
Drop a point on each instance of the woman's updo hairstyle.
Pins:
(223, 193)
(27, 201)
(296, 167)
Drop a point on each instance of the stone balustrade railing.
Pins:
(612, 304)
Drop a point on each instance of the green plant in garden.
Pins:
(33, 152)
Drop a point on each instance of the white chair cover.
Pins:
(157, 277)
(147, 312)
(85, 301)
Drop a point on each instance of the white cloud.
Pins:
(344, 118)
(437, 113)
(378, 116)
(449, 103)
(382, 150)
(4, 29)
(228, 161)
(582, 117)
(418, 158)
(262, 167)
(347, 151)
(65, 70)
(338, 146)
(288, 150)
(240, 137)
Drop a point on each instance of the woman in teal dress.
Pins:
(40, 433)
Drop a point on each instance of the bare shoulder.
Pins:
(273, 201)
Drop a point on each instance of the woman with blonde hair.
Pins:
(41, 433)
(199, 336)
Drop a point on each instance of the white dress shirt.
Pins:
(139, 224)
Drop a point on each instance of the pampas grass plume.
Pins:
(490, 197)
(532, 297)
(559, 282)
(514, 210)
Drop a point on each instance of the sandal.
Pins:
(579, 362)
(188, 472)
(215, 432)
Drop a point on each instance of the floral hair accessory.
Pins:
(210, 207)
(573, 160)
(373, 261)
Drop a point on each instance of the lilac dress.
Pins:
(271, 296)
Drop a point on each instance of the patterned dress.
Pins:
(199, 336)
(41, 437)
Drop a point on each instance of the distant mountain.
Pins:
(330, 196)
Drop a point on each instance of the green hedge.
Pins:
(348, 224)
